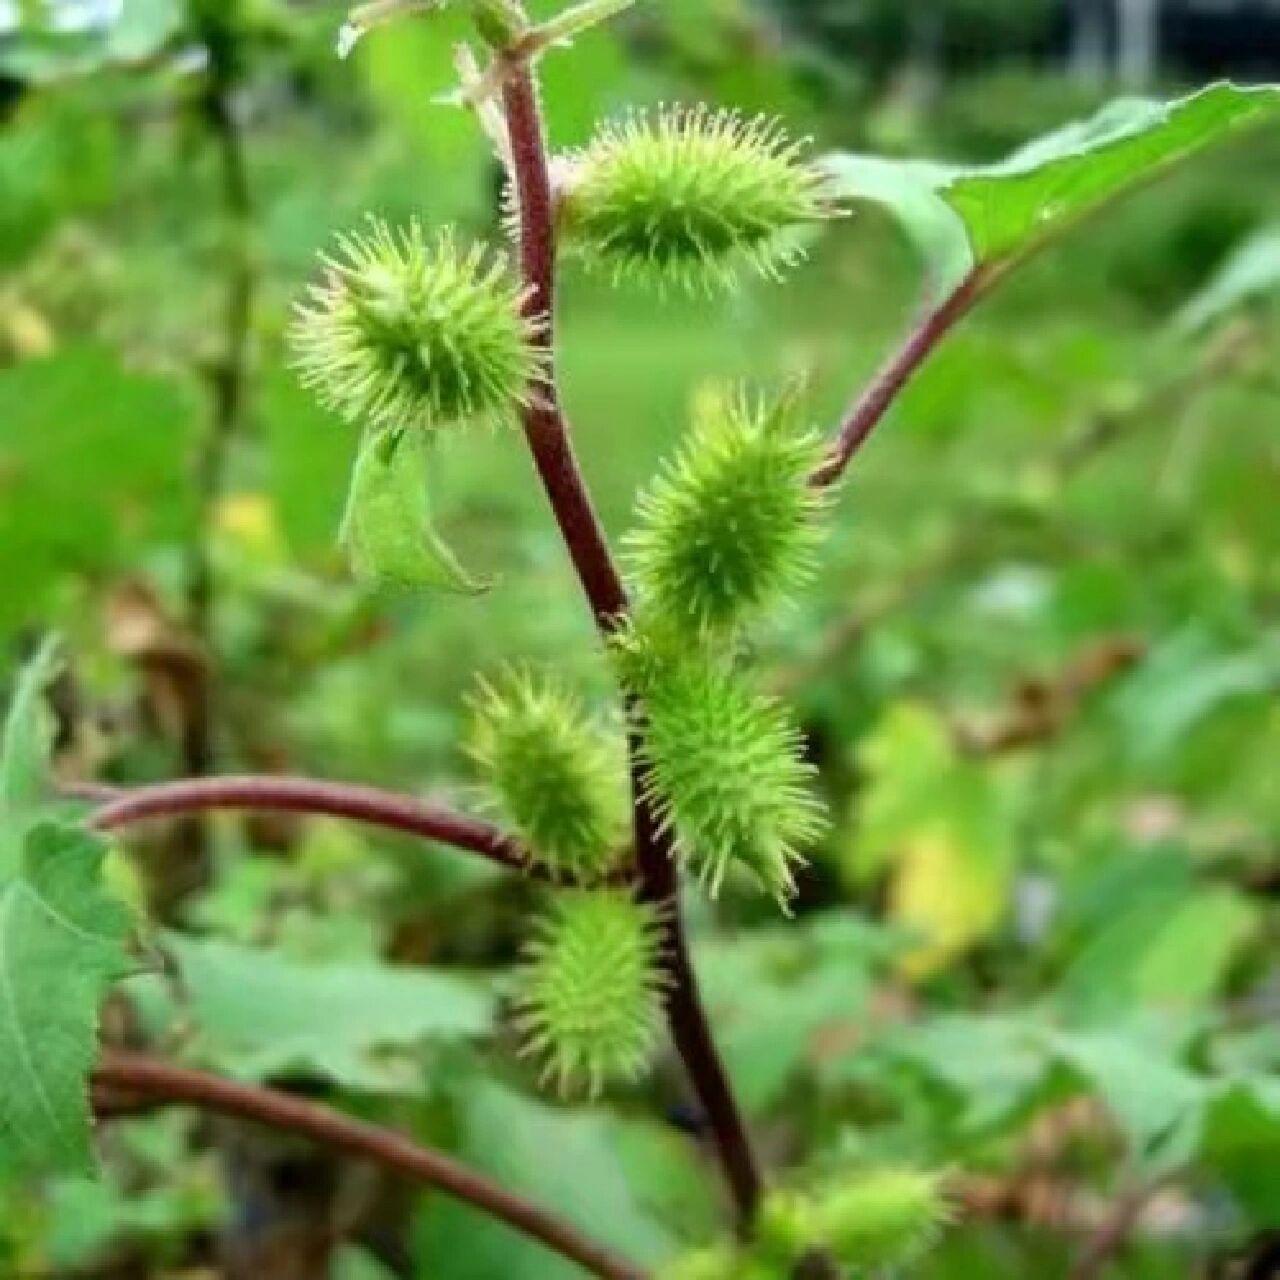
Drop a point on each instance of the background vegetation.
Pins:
(1040, 672)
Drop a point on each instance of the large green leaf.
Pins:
(258, 1014)
(1001, 213)
(61, 943)
(1045, 188)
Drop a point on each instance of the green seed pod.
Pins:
(589, 996)
(411, 332)
(725, 771)
(690, 197)
(880, 1219)
(731, 524)
(552, 772)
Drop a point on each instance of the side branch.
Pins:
(870, 408)
(137, 1075)
(369, 805)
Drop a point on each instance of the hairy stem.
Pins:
(131, 1075)
(878, 398)
(549, 439)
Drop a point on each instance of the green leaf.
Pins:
(61, 943)
(993, 1065)
(774, 992)
(944, 825)
(1134, 1070)
(24, 754)
(567, 1160)
(1242, 1144)
(1189, 954)
(1183, 682)
(1249, 273)
(360, 1025)
(387, 528)
(992, 216)
(909, 190)
(143, 28)
(1050, 185)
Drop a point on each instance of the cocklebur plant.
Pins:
(414, 336)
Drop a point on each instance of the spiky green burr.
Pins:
(411, 330)
(731, 524)
(589, 996)
(691, 197)
(553, 773)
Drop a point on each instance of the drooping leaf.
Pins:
(258, 1014)
(993, 1065)
(1185, 680)
(61, 944)
(388, 528)
(1248, 274)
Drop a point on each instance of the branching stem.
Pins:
(140, 1076)
(878, 398)
(549, 439)
(370, 805)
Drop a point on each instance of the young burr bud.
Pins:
(731, 524)
(589, 996)
(880, 1220)
(553, 774)
(415, 332)
(691, 197)
(725, 772)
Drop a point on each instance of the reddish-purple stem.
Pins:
(549, 439)
(370, 805)
(545, 425)
(127, 1075)
(878, 398)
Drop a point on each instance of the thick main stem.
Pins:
(136, 1075)
(549, 439)
(690, 1028)
(545, 425)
